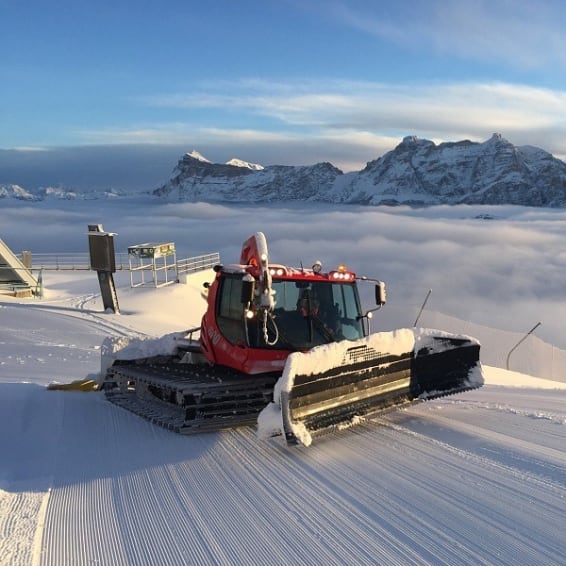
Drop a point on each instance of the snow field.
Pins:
(475, 478)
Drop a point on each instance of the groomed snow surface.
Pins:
(477, 478)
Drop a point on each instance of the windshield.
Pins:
(308, 313)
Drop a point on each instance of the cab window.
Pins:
(230, 310)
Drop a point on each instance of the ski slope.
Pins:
(476, 478)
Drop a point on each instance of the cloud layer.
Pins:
(349, 122)
(345, 123)
(507, 272)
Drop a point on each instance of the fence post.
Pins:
(40, 283)
(26, 258)
(422, 308)
(520, 342)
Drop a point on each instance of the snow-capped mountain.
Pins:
(16, 192)
(239, 163)
(416, 172)
(198, 179)
(198, 156)
(493, 172)
(54, 193)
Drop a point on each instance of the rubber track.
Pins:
(190, 398)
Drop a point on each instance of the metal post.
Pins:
(520, 342)
(422, 308)
(40, 284)
(26, 258)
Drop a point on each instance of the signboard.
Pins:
(152, 250)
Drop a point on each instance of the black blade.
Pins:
(366, 381)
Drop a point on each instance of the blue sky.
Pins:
(281, 81)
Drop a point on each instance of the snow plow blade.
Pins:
(333, 386)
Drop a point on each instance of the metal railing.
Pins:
(197, 263)
(81, 261)
(71, 261)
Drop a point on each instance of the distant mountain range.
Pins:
(417, 172)
(61, 193)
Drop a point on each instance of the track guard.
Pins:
(335, 385)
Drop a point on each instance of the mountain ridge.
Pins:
(417, 172)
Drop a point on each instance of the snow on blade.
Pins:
(269, 422)
(321, 359)
(327, 356)
(427, 338)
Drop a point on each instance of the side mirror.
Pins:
(248, 289)
(380, 293)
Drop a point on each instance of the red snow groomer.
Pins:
(293, 345)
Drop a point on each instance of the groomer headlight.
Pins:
(342, 274)
(317, 266)
(277, 271)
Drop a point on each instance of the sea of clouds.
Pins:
(501, 266)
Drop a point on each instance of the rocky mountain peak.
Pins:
(413, 142)
(16, 192)
(235, 162)
(198, 156)
(417, 172)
